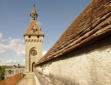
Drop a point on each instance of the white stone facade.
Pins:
(33, 51)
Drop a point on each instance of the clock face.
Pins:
(34, 29)
(33, 52)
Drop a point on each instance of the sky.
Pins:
(54, 18)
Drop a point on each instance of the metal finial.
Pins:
(34, 4)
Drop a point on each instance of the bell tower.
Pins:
(33, 40)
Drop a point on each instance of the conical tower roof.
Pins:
(34, 11)
(34, 28)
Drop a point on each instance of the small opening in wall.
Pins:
(10, 71)
(37, 36)
(29, 36)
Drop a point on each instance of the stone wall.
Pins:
(36, 43)
(88, 65)
(12, 72)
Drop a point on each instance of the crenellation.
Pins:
(30, 40)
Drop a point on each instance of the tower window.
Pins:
(37, 36)
(29, 36)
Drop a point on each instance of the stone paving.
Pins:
(27, 80)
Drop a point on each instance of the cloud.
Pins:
(0, 36)
(13, 44)
(11, 62)
(3, 48)
(18, 46)
(12, 51)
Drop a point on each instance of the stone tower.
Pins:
(33, 40)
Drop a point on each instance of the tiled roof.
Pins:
(93, 22)
(34, 11)
(33, 28)
(33, 25)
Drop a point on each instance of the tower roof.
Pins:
(34, 28)
(34, 11)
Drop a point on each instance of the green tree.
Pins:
(2, 70)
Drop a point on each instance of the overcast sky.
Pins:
(54, 18)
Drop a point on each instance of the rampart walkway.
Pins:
(27, 80)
